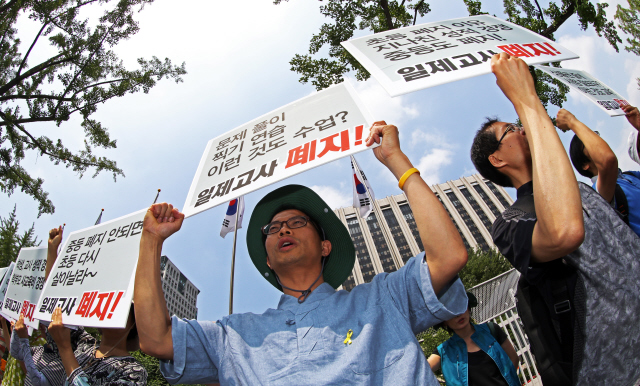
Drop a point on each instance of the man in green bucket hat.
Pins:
(316, 335)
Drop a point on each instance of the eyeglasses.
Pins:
(510, 127)
(292, 223)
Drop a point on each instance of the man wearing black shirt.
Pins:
(568, 226)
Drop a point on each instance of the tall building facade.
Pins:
(388, 237)
(180, 293)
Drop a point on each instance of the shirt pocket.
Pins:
(375, 342)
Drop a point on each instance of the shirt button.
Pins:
(290, 322)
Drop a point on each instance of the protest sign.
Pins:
(25, 285)
(92, 278)
(596, 91)
(4, 283)
(309, 132)
(412, 58)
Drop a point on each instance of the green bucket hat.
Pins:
(340, 262)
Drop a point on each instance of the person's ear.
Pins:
(497, 161)
(586, 167)
(268, 263)
(326, 248)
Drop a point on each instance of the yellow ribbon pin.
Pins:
(348, 340)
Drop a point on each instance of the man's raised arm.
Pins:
(444, 251)
(560, 227)
(152, 318)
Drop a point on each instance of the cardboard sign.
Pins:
(596, 91)
(4, 283)
(25, 285)
(417, 57)
(310, 132)
(92, 278)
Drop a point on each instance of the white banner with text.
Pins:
(25, 285)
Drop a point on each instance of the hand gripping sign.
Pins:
(596, 91)
(309, 132)
(92, 278)
(417, 57)
(25, 285)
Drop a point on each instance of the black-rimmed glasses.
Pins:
(292, 223)
(510, 127)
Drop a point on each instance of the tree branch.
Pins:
(384, 4)
(30, 48)
(35, 96)
(7, 6)
(26, 120)
(415, 16)
(540, 15)
(571, 9)
(40, 67)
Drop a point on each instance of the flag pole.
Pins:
(233, 258)
(157, 195)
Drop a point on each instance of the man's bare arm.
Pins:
(560, 228)
(444, 250)
(152, 318)
(599, 152)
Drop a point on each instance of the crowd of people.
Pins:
(574, 245)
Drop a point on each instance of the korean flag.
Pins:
(229, 222)
(363, 196)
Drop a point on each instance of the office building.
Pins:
(388, 237)
(180, 293)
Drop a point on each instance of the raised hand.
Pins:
(564, 120)
(55, 237)
(162, 220)
(20, 328)
(60, 334)
(633, 116)
(514, 79)
(390, 147)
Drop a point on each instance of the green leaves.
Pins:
(84, 73)
(11, 241)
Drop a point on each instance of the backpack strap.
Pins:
(622, 206)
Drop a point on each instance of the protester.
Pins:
(71, 357)
(316, 335)
(576, 256)
(471, 356)
(593, 158)
(633, 116)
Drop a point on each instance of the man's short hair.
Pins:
(578, 158)
(485, 144)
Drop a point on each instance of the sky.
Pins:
(237, 58)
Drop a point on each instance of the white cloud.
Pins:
(588, 48)
(431, 164)
(382, 106)
(421, 138)
(632, 68)
(334, 197)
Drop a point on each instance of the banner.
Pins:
(309, 132)
(596, 91)
(363, 196)
(25, 285)
(417, 57)
(4, 283)
(92, 278)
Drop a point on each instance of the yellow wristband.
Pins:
(406, 175)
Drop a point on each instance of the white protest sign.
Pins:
(417, 57)
(25, 285)
(4, 283)
(92, 278)
(596, 91)
(309, 132)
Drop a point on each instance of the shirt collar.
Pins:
(525, 189)
(290, 303)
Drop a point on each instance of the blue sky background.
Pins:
(237, 57)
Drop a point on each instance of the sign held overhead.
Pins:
(422, 56)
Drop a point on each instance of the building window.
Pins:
(476, 207)
(408, 216)
(497, 193)
(362, 253)
(485, 197)
(475, 232)
(349, 283)
(398, 235)
(381, 244)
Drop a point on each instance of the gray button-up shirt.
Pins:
(308, 344)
